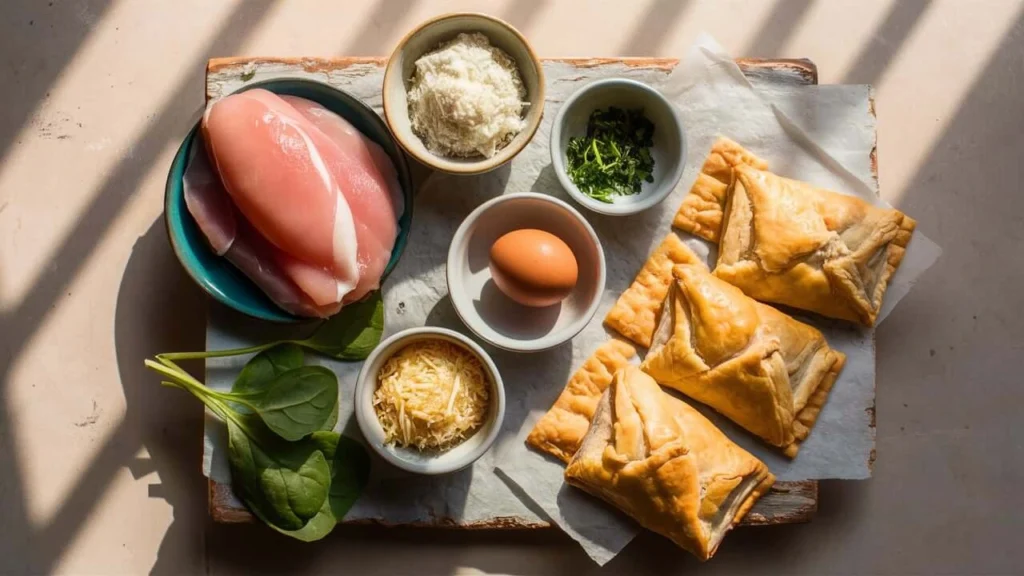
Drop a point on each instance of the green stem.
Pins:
(597, 153)
(170, 356)
(181, 379)
(171, 364)
(197, 388)
(184, 380)
(176, 374)
(232, 397)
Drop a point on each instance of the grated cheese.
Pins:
(466, 98)
(432, 394)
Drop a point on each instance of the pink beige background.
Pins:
(99, 466)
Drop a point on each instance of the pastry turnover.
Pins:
(789, 242)
(702, 209)
(792, 243)
(757, 366)
(560, 431)
(663, 463)
(635, 313)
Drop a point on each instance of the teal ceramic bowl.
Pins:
(218, 277)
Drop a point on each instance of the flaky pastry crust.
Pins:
(791, 243)
(702, 209)
(560, 431)
(635, 313)
(755, 365)
(659, 460)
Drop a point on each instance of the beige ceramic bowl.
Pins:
(427, 37)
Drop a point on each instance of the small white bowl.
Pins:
(411, 459)
(427, 37)
(495, 317)
(669, 150)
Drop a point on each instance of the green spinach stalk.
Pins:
(293, 405)
(351, 334)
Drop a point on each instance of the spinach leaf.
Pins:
(332, 419)
(350, 471)
(284, 483)
(352, 333)
(294, 404)
(267, 365)
(299, 488)
(261, 370)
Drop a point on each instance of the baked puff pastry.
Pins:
(635, 313)
(702, 209)
(663, 463)
(755, 365)
(560, 431)
(789, 242)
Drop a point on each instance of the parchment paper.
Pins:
(819, 134)
(714, 99)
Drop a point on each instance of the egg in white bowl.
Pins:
(500, 317)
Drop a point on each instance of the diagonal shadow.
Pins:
(45, 37)
(778, 28)
(947, 181)
(386, 16)
(966, 192)
(649, 35)
(37, 550)
(172, 122)
(965, 196)
(877, 54)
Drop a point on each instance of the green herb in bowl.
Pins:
(614, 158)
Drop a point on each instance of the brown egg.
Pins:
(533, 267)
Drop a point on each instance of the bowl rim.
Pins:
(370, 427)
(279, 315)
(439, 162)
(551, 340)
(658, 195)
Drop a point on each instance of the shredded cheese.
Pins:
(466, 98)
(432, 394)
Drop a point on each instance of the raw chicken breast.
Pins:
(206, 200)
(358, 145)
(231, 236)
(375, 193)
(303, 193)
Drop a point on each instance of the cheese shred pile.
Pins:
(431, 395)
(466, 98)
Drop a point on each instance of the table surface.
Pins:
(99, 465)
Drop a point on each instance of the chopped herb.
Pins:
(614, 158)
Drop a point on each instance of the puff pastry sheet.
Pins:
(560, 431)
(788, 242)
(663, 463)
(635, 313)
(755, 365)
(703, 208)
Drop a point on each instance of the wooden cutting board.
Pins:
(787, 502)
